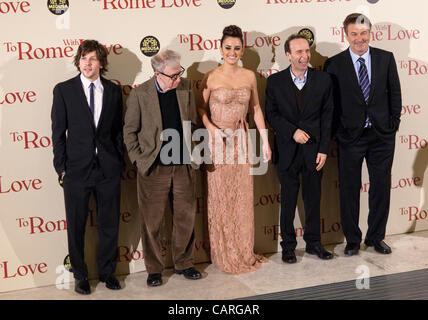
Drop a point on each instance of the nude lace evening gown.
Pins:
(230, 188)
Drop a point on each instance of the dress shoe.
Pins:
(320, 252)
(352, 249)
(289, 256)
(379, 246)
(154, 279)
(189, 273)
(82, 286)
(112, 283)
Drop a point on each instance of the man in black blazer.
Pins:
(367, 98)
(299, 106)
(88, 157)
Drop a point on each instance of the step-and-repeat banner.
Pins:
(38, 42)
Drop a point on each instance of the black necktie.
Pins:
(91, 98)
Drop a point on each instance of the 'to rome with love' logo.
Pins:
(14, 7)
(9, 271)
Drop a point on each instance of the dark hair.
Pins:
(358, 18)
(89, 46)
(293, 37)
(233, 32)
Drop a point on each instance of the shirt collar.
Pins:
(355, 57)
(86, 82)
(296, 79)
(157, 85)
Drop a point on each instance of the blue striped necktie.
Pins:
(365, 85)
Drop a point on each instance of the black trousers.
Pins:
(379, 155)
(107, 196)
(311, 192)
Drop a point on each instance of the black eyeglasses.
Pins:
(174, 76)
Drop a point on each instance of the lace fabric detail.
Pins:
(230, 191)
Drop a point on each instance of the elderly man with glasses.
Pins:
(157, 117)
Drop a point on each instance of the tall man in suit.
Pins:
(299, 106)
(367, 115)
(88, 157)
(160, 113)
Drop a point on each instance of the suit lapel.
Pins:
(106, 99)
(375, 63)
(288, 93)
(82, 101)
(153, 104)
(308, 89)
(182, 97)
(353, 78)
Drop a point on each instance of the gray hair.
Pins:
(163, 58)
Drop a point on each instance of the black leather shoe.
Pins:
(320, 252)
(189, 273)
(112, 283)
(352, 249)
(379, 246)
(154, 279)
(289, 256)
(82, 286)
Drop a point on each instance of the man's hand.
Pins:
(321, 158)
(301, 136)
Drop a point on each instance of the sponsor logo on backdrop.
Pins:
(413, 67)
(148, 4)
(14, 7)
(67, 264)
(23, 185)
(18, 97)
(382, 32)
(9, 271)
(28, 51)
(30, 139)
(414, 213)
(308, 34)
(197, 42)
(149, 46)
(411, 109)
(400, 183)
(58, 7)
(291, 2)
(226, 4)
(413, 141)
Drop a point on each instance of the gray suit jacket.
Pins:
(143, 121)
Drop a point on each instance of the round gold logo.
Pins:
(149, 46)
(58, 7)
(308, 34)
(67, 264)
(226, 4)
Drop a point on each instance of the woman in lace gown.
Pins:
(229, 92)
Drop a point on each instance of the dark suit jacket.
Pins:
(384, 105)
(284, 116)
(143, 122)
(74, 136)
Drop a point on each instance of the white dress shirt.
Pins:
(98, 96)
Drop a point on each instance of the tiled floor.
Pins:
(410, 252)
